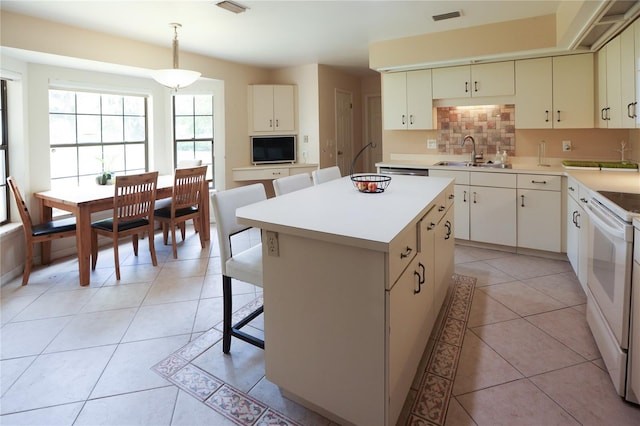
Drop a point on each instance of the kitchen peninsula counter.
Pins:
(348, 267)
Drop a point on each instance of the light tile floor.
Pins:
(84, 355)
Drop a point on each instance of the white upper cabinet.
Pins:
(493, 79)
(407, 100)
(609, 103)
(555, 93)
(629, 51)
(272, 109)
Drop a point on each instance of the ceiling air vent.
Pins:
(449, 15)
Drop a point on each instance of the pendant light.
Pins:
(175, 78)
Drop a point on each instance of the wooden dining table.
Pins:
(82, 201)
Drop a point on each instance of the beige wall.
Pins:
(532, 34)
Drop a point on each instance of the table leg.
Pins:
(83, 242)
(45, 247)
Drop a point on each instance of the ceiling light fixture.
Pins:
(449, 15)
(175, 78)
(232, 6)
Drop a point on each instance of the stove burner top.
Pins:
(628, 201)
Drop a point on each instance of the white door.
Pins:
(374, 132)
(344, 130)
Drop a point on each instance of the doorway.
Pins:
(373, 117)
(344, 130)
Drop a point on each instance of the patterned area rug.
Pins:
(434, 392)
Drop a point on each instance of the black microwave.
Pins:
(273, 149)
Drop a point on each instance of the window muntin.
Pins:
(193, 129)
(4, 155)
(92, 133)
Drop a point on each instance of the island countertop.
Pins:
(337, 212)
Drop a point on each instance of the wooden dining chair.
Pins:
(186, 204)
(242, 265)
(34, 234)
(133, 207)
(325, 175)
(287, 184)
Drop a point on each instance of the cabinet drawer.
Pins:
(461, 178)
(544, 182)
(260, 174)
(497, 180)
(402, 250)
(573, 188)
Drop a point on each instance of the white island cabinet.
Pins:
(348, 308)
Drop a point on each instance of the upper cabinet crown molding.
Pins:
(272, 109)
(491, 79)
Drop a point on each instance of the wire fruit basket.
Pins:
(371, 184)
(368, 183)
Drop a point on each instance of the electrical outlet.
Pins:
(431, 144)
(566, 146)
(272, 244)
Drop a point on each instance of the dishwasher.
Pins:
(385, 170)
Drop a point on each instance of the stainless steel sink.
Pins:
(488, 164)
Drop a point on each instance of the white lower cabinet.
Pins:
(577, 225)
(444, 266)
(492, 208)
(461, 199)
(540, 212)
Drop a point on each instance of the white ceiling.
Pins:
(278, 33)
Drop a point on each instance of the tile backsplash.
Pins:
(490, 125)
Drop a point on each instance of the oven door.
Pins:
(609, 280)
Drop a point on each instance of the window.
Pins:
(193, 129)
(4, 155)
(92, 133)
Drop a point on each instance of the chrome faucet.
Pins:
(473, 147)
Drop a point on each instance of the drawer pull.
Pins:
(451, 196)
(571, 188)
(406, 253)
(431, 226)
(541, 182)
(584, 200)
(441, 208)
(421, 278)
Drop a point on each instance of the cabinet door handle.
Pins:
(404, 120)
(466, 87)
(522, 197)
(411, 119)
(475, 194)
(464, 196)
(406, 252)
(447, 225)
(558, 116)
(271, 123)
(475, 86)
(421, 278)
(603, 115)
(574, 220)
(546, 116)
(578, 223)
(277, 123)
(541, 182)
(629, 114)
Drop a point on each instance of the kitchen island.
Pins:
(352, 286)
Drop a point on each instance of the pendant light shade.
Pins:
(175, 78)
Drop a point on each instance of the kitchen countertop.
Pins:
(351, 218)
